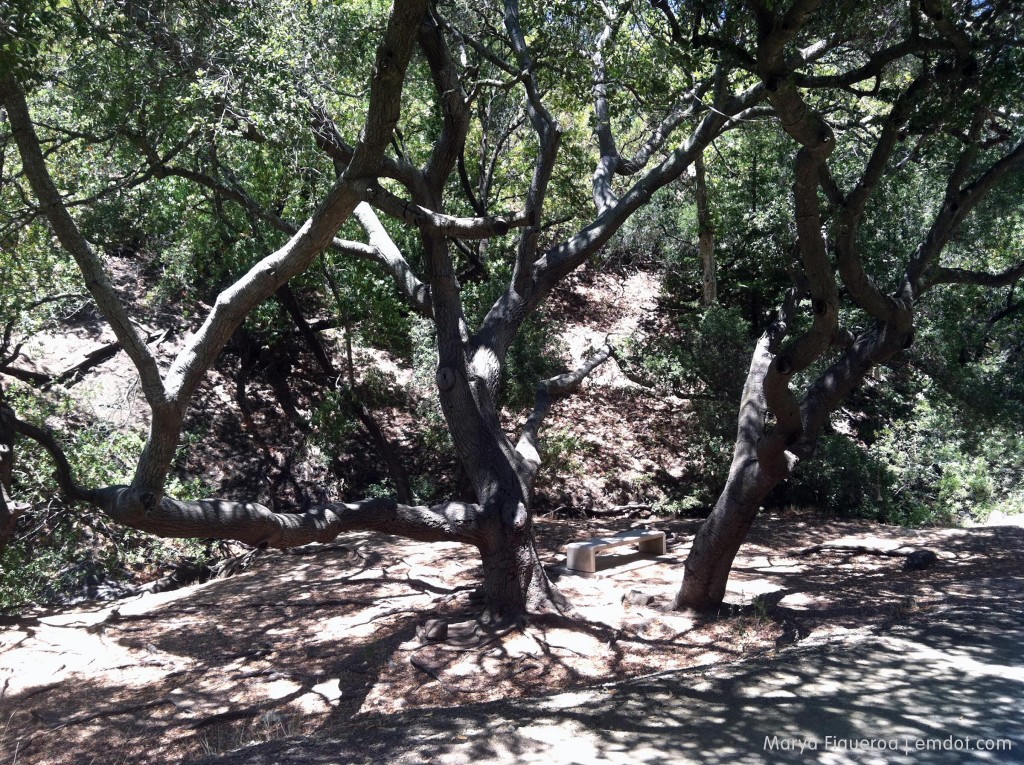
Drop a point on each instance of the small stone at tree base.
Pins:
(637, 598)
(432, 630)
(919, 560)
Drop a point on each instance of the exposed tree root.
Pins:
(53, 721)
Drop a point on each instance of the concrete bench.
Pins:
(582, 556)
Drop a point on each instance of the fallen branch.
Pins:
(628, 510)
(73, 373)
(853, 550)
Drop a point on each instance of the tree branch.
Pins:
(874, 67)
(940, 275)
(71, 238)
(331, 143)
(686, 108)
(483, 227)
(10, 510)
(564, 257)
(673, 23)
(817, 140)
(10, 424)
(945, 26)
(955, 207)
(249, 522)
(255, 524)
(609, 158)
(548, 391)
(263, 279)
(499, 326)
(407, 282)
(862, 289)
(454, 105)
(387, 253)
(549, 134)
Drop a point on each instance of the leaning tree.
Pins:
(453, 92)
(868, 97)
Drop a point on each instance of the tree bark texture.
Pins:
(705, 233)
(707, 567)
(515, 583)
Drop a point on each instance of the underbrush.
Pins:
(63, 553)
(931, 466)
(902, 451)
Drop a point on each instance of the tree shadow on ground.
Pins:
(220, 665)
(933, 691)
(315, 655)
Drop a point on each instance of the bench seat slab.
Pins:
(582, 556)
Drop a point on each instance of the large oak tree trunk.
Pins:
(514, 582)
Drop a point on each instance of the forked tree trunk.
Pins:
(514, 581)
(762, 459)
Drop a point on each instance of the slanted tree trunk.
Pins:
(763, 458)
(707, 567)
(706, 571)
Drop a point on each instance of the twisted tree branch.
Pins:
(549, 391)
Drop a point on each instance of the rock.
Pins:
(919, 560)
(432, 631)
(638, 598)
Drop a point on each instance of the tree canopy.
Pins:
(434, 172)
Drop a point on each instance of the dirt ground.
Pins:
(303, 642)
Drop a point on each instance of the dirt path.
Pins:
(322, 645)
(941, 689)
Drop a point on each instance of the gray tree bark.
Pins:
(765, 456)
(705, 233)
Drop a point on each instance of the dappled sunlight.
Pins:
(823, 633)
(840, 693)
(201, 668)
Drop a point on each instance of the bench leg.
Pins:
(654, 546)
(580, 557)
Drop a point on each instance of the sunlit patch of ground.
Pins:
(303, 643)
